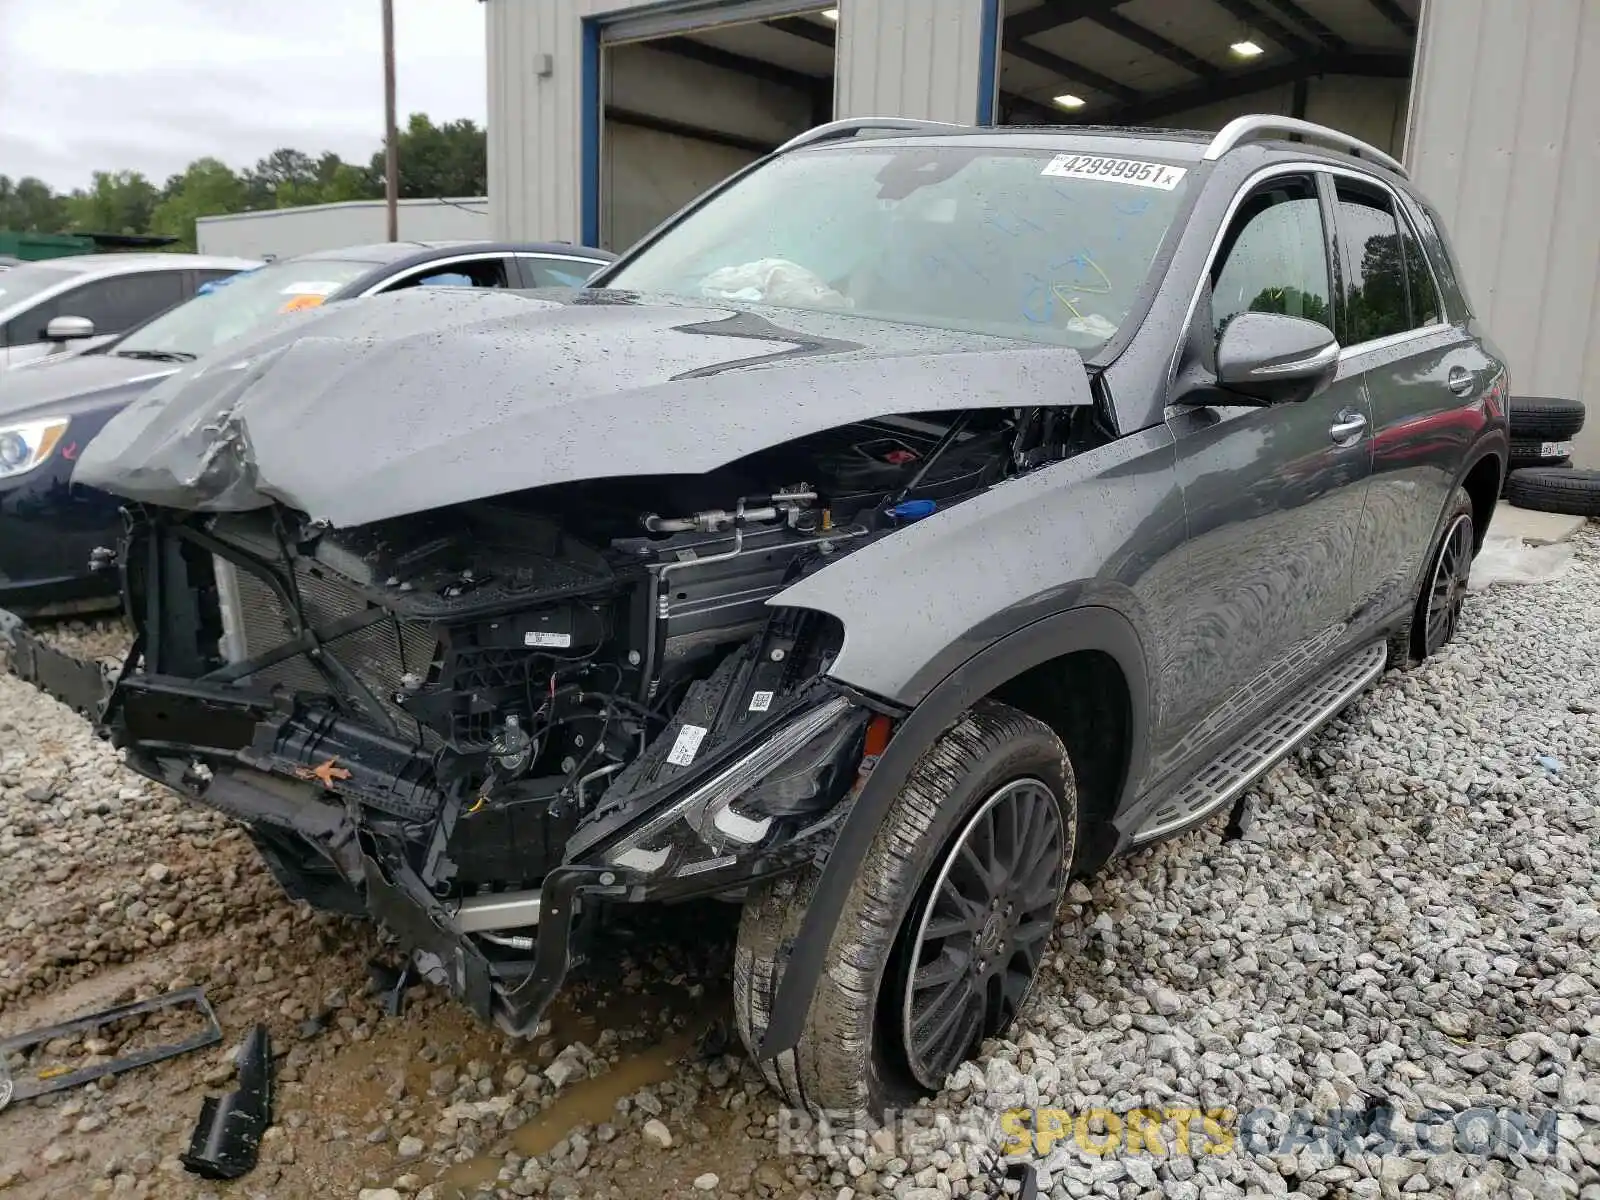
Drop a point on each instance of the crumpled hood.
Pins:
(413, 401)
(67, 385)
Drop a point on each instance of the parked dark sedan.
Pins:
(49, 410)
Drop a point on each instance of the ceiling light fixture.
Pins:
(1245, 48)
(1070, 101)
(830, 14)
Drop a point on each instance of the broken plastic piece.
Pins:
(57, 1079)
(228, 1135)
(389, 984)
(1242, 818)
(1027, 1178)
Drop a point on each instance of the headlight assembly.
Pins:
(707, 829)
(23, 447)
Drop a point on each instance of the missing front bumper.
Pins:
(514, 994)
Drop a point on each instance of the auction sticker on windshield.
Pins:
(1115, 170)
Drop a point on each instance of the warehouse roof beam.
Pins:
(1396, 16)
(1290, 39)
(727, 60)
(1156, 44)
(1292, 12)
(1245, 83)
(1053, 13)
(1066, 69)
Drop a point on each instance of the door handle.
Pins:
(1460, 381)
(1347, 428)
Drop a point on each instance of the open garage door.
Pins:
(691, 96)
(1197, 65)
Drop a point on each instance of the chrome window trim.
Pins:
(1272, 171)
(454, 260)
(577, 258)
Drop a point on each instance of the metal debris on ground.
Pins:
(60, 1078)
(228, 1135)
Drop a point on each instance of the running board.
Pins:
(1264, 745)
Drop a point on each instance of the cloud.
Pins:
(151, 85)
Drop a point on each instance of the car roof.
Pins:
(1183, 145)
(124, 264)
(413, 253)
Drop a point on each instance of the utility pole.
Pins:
(391, 151)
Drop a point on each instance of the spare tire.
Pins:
(1560, 464)
(1536, 452)
(1545, 418)
(1547, 489)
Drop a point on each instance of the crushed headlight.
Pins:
(705, 830)
(23, 447)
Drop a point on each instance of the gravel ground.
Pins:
(1412, 924)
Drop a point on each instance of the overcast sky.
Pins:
(151, 85)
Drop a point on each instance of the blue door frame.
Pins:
(589, 123)
(988, 61)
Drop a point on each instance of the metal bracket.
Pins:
(43, 1083)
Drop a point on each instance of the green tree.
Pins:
(30, 206)
(116, 202)
(439, 160)
(207, 188)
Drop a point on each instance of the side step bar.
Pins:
(1264, 745)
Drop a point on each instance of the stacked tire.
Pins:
(1541, 475)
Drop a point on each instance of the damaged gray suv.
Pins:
(920, 517)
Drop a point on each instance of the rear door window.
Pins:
(556, 272)
(1377, 302)
(473, 273)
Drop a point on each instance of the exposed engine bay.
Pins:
(476, 722)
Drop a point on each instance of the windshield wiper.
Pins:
(157, 355)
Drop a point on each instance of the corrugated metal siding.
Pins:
(1505, 140)
(909, 58)
(533, 123)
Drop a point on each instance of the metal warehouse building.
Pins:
(605, 116)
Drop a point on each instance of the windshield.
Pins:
(1020, 243)
(194, 328)
(25, 282)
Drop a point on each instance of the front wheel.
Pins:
(943, 931)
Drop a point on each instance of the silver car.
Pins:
(68, 305)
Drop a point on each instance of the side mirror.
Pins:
(1272, 358)
(68, 329)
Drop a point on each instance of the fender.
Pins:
(1090, 628)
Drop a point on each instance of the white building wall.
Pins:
(909, 58)
(534, 121)
(284, 232)
(1505, 140)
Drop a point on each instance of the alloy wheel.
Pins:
(1447, 591)
(983, 928)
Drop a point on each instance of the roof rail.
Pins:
(1244, 129)
(850, 126)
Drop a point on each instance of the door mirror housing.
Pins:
(68, 329)
(1274, 359)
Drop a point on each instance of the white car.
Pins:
(68, 305)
